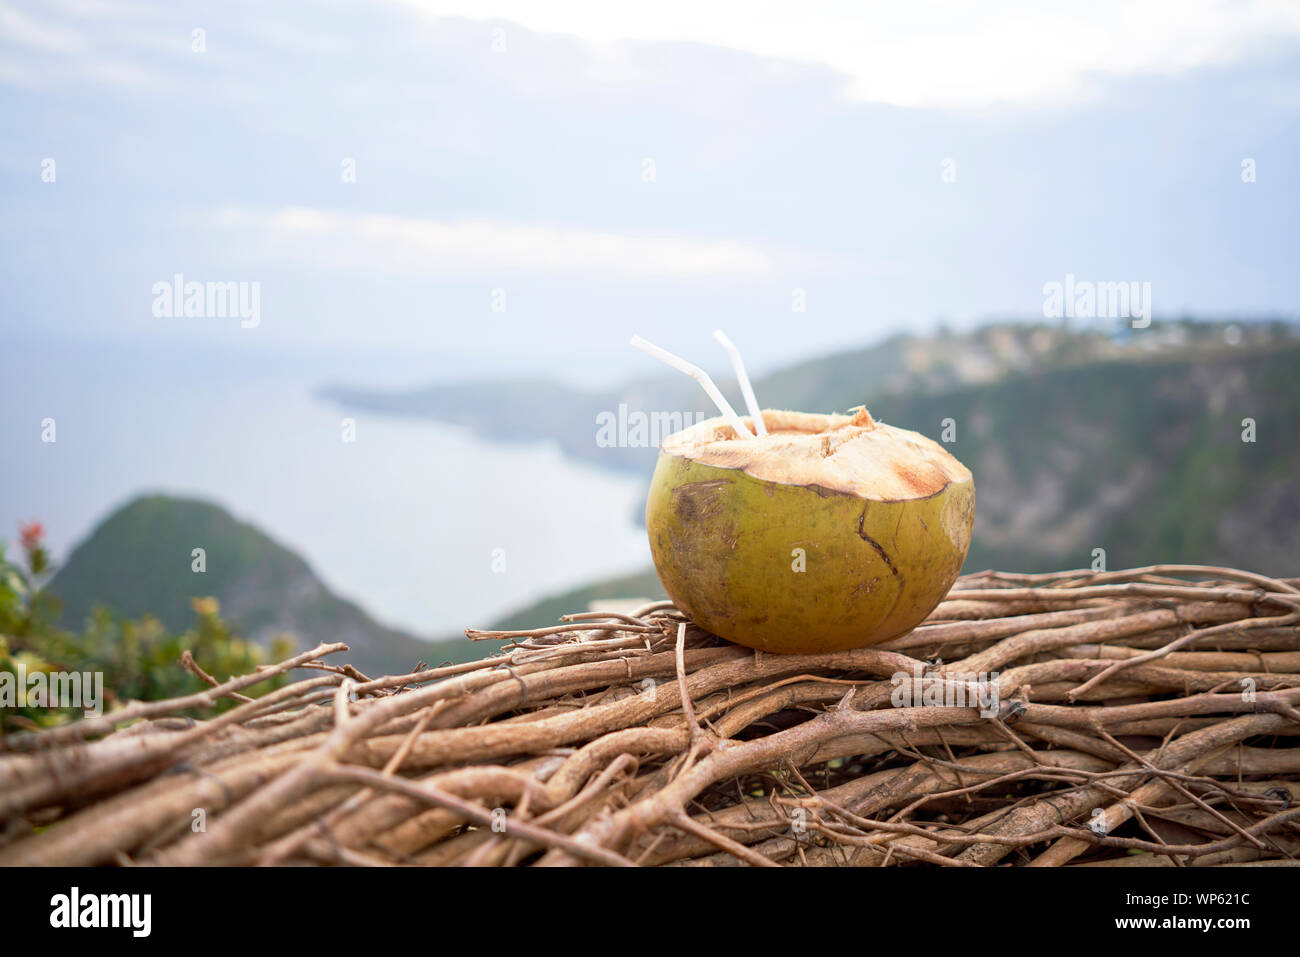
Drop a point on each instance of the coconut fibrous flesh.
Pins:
(828, 533)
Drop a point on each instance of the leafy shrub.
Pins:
(138, 658)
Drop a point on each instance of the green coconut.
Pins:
(831, 532)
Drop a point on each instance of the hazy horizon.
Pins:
(391, 173)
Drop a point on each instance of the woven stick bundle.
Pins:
(1141, 717)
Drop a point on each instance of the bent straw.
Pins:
(738, 366)
(700, 376)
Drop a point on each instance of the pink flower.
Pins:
(31, 535)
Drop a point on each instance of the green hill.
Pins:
(138, 561)
(1142, 458)
(507, 410)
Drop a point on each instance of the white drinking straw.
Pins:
(747, 390)
(700, 376)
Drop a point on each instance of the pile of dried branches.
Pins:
(1141, 717)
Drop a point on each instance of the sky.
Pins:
(459, 189)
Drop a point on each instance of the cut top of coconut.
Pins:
(853, 454)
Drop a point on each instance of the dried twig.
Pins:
(1167, 692)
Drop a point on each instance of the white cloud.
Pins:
(424, 246)
(929, 53)
(28, 31)
(46, 50)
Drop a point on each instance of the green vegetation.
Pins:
(139, 658)
(1144, 459)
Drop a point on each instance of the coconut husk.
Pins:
(1131, 718)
